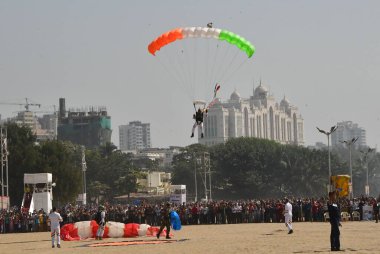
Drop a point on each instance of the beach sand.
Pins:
(356, 237)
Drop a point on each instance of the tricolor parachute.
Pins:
(87, 229)
(201, 32)
(201, 59)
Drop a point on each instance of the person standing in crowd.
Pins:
(334, 214)
(165, 221)
(376, 208)
(55, 229)
(101, 220)
(288, 216)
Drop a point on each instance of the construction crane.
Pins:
(26, 104)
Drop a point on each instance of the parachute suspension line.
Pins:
(186, 67)
(194, 76)
(224, 80)
(181, 66)
(212, 80)
(206, 72)
(223, 60)
(229, 66)
(174, 73)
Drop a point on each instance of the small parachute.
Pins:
(175, 221)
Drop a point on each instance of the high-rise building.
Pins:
(347, 130)
(91, 128)
(134, 136)
(259, 116)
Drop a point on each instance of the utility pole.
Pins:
(84, 169)
(4, 168)
(207, 169)
(365, 160)
(195, 178)
(349, 143)
(328, 133)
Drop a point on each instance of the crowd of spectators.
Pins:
(193, 213)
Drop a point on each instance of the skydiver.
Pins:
(209, 25)
(199, 115)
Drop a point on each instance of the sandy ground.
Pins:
(356, 237)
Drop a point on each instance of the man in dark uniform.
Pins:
(334, 214)
(165, 221)
(376, 208)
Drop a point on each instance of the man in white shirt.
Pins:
(288, 216)
(54, 219)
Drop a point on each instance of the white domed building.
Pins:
(259, 116)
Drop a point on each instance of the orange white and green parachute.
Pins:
(197, 58)
(201, 32)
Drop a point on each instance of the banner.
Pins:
(341, 184)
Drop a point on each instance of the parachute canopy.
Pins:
(201, 32)
(201, 66)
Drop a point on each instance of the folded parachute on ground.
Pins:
(87, 229)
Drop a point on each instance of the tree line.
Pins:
(109, 172)
(240, 168)
(258, 168)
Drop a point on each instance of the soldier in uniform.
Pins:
(376, 208)
(198, 117)
(165, 221)
(334, 214)
(101, 220)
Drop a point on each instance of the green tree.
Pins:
(23, 157)
(63, 161)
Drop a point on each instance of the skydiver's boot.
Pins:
(168, 237)
(192, 135)
(202, 135)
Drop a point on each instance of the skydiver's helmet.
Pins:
(199, 110)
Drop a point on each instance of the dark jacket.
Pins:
(334, 214)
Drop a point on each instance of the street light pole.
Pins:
(328, 133)
(84, 182)
(350, 143)
(365, 159)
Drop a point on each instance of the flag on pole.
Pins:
(216, 89)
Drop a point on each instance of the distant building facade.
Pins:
(155, 182)
(348, 130)
(259, 116)
(36, 124)
(134, 136)
(91, 128)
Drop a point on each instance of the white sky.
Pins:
(323, 55)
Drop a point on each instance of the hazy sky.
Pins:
(323, 55)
